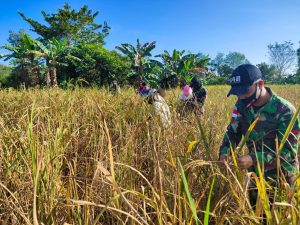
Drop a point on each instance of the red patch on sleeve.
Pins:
(295, 132)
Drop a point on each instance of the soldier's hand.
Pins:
(244, 162)
(200, 110)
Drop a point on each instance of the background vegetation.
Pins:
(70, 49)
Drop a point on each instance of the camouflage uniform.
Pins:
(274, 118)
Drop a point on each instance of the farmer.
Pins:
(199, 94)
(114, 88)
(186, 99)
(186, 94)
(273, 115)
(143, 89)
(161, 108)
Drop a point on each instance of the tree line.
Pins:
(70, 50)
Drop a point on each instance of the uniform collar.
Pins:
(269, 104)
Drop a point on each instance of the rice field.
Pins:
(85, 156)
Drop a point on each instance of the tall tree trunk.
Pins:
(36, 76)
(53, 79)
(48, 80)
(25, 74)
(140, 72)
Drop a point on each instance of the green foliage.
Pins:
(225, 70)
(139, 58)
(207, 210)
(178, 66)
(216, 80)
(191, 201)
(51, 54)
(26, 65)
(292, 79)
(217, 62)
(283, 56)
(61, 63)
(54, 52)
(97, 65)
(298, 60)
(71, 25)
(70, 49)
(224, 65)
(234, 59)
(269, 72)
(5, 72)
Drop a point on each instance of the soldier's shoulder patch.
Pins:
(234, 114)
(295, 132)
(284, 106)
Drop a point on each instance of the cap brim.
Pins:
(238, 90)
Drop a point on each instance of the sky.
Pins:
(206, 26)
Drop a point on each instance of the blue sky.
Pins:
(207, 26)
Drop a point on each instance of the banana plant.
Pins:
(138, 56)
(179, 65)
(53, 51)
(22, 56)
(176, 65)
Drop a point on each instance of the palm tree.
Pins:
(139, 56)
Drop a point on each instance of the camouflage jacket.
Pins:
(274, 118)
(200, 96)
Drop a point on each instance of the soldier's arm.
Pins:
(233, 134)
(199, 100)
(204, 95)
(289, 152)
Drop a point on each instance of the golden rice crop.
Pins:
(85, 156)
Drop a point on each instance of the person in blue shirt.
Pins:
(143, 89)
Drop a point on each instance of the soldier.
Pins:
(199, 94)
(274, 115)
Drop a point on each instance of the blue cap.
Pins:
(242, 78)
